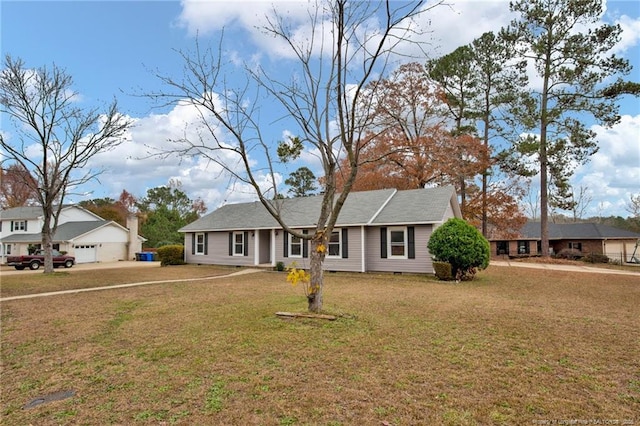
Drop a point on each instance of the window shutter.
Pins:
(11, 226)
(230, 243)
(206, 243)
(285, 239)
(26, 222)
(193, 243)
(345, 243)
(305, 245)
(246, 243)
(411, 236)
(383, 243)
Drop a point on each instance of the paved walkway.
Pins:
(84, 290)
(557, 267)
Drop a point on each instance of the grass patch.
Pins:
(70, 279)
(513, 347)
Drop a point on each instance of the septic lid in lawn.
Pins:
(56, 396)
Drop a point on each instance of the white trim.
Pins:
(273, 247)
(339, 255)
(363, 252)
(256, 247)
(290, 236)
(235, 243)
(195, 251)
(395, 191)
(405, 237)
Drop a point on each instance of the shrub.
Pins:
(279, 266)
(461, 245)
(443, 270)
(570, 254)
(171, 255)
(596, 258)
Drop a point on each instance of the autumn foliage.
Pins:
(17, 187)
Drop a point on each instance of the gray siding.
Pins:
(352, 263)
(421, 264)
(218, 251)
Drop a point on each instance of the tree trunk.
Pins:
(316, 259)
(485, 173)
(47, 243)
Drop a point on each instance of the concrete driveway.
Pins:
(556, 267)
(10, 270)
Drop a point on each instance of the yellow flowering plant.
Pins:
(296, 276)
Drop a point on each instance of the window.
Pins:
(295, 246)
(523, 247)
(19, 225)
(238, 244)
(576, 246)
(502, 247)
(199, 243)
(397, 242)
(335, 244)
(7, 249)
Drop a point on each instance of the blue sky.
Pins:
(112, 48)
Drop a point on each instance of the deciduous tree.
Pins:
(53, 138)
(412, 146)
(16, 187)
(326, 99)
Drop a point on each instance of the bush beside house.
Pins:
(171, 255)
(462, 246)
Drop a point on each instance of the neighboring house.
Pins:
(384, 230)
(617, 244)
(80, 233)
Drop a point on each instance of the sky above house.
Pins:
(114, 49)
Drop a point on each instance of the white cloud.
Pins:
(613, 173)
(136, 166)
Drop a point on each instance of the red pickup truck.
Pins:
(34, 261)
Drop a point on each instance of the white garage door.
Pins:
(614, 250)
(86, 253)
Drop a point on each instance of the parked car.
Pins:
(35, 260)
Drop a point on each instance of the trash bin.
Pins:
(146, 256)
(138, 257)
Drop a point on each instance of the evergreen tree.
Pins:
(571, 59)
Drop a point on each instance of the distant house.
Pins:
(617, 244)
(384, 230)
(80, 233)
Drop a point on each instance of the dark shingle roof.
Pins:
(584, 231)
(384, 206)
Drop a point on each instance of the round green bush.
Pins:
(461, 245)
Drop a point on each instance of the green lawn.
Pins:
(516, 346)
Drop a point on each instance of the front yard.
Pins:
(516, 346)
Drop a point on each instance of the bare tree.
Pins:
(633, 206)
(326, 98)
(580, 202)
(54, 139)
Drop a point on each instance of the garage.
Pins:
(86, 253)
